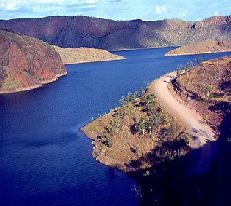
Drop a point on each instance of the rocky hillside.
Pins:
(81, 31)
(207, 89)
(207, 46)
(84, 55)
(26, 63)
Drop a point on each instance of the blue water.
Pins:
(45, 159)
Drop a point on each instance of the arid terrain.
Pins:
(207, 46)
(147, 129)
(137, 134)
(84, 55)
(193, 122)
(83, 31)
(26, 63)
(207, 89)
(115, 103)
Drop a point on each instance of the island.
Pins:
(207, 46)
(176, 113)
(27, 63)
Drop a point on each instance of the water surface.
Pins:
(44, 159)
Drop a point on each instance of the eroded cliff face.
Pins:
(26, 63)
(82, 31)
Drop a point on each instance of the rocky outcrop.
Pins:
(207, 46)
(26, 63)
(84, 55)
(81, 31)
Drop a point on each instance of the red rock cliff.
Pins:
(26, 63)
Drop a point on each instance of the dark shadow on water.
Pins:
(202, 177)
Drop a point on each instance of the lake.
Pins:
(45, 159)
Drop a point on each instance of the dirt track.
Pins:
(194, 123)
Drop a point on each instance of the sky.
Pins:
(116, 9)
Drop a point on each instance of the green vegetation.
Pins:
(148, 125)
(131, 97)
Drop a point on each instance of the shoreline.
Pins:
(58, 76)
(192, 122)
(115, 162)
(187, 54)
(97, 61)
(43, 83)
(85, 55)
(136, 49)
(157, 82)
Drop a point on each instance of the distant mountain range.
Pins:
(82, 31)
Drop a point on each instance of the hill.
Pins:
(82, 31)
(207, 46)
(26, 63)
(207, 89)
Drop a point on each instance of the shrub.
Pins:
(155, 118)
(140, 126)
(104, 140)
(131, 97)
(206, 90)
(184, 137)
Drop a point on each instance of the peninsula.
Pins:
(176, 113)
(85, 55)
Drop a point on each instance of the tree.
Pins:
(140, 126)
(206, 89)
